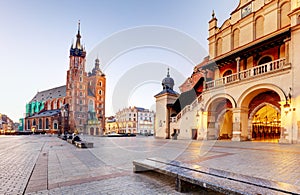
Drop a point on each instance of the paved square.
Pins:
(42, 164)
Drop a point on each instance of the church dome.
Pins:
(168, 82)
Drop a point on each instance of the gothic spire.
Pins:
(78, 45)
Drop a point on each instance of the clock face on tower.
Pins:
(246, 10)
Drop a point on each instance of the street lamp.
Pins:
(286, 106)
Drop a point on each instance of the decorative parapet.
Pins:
(253, 72)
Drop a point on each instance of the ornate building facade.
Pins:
(77, 106)
(135, 120)
(247, 88)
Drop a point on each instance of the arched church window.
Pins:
(40, 123)
(55, 126)
(28, 125)
(47, 123)
(91, 105)
(54, 104)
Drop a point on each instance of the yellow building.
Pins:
(247, 88)
(111, 125)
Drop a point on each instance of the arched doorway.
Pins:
(55, 124)
(220, 119)
(92, 131)
(266, 123)
(225, 124)
(265, 117)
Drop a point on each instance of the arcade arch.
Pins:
(263, 118)
(219, 121)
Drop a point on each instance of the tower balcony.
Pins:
(256, 72)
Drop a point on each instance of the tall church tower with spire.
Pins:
(76, 86)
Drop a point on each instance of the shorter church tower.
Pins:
(96, 98)
(164, 102)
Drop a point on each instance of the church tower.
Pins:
(76, 89)
(164, 100)
(96, 92)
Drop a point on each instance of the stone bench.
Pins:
(84, 144)
(188, 176)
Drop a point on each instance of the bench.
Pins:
(187, 176)
(84, 144)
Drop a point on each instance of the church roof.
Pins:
(185, 98)
(49, 94)
(167, 90)
(46, 113)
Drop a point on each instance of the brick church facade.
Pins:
(77, 106)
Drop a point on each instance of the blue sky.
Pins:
(36, 36)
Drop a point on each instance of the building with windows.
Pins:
(6, 125)
(247, 88)
(77, 106)
(135, 120)
(111, 125)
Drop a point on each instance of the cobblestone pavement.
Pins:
(40, 164)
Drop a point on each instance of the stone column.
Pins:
(167, 123)
(287, 50)
(286, 125)
(298, 125)
(211, 128)
(238, 67)
(240, 125)
(204, 82)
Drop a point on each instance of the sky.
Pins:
(135, 40)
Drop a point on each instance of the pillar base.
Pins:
(236, 136)
(284, 141)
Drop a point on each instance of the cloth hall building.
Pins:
(77, 106)
(248, 88)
